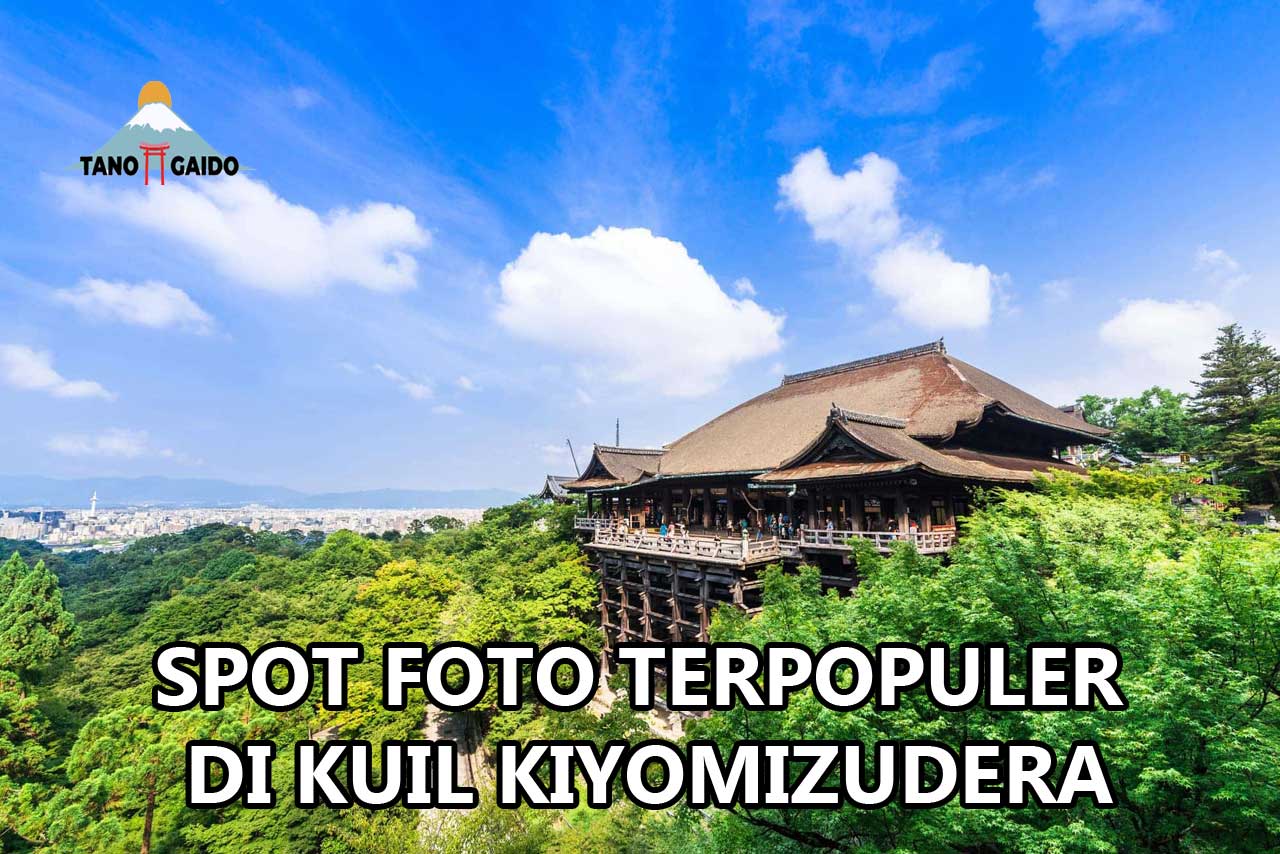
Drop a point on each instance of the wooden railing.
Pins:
(732, 549)
(926, 542)
(607, 534)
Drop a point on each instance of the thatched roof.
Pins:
(930, 393)
(611, 466)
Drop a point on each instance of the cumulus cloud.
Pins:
(1068, 22)
(1161, 342)
(252, 236)
(467, 384)
(1220, 269)
(413, 388)
(156, 305)
(930, 288)
(858, 212)
(32, 370)
(743, 288)
(638, 309)
(446, 409)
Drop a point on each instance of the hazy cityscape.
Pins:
(113, 529)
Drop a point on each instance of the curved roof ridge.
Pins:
(884, 358)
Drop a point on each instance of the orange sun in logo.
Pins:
(152, 92)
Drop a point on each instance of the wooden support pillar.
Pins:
(859, 512)
(588, 503)
(904, 519)
(791, 508)
(707, 508)
(666, 506)
(813, 507)
(730, 517)
(703, 608)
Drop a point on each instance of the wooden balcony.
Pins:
(926, 542)
(745, 550)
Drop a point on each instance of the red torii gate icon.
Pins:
(147, 151)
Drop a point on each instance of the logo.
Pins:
(155, 138)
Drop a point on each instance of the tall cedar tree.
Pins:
(1237, 394)
(34, 627)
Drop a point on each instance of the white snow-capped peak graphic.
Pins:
(158, 117)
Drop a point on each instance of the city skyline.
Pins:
(459, 245)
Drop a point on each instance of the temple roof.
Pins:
(888, 449)
(923, 395)
(553, 487)
(612, 466)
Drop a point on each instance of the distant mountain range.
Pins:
(32, 491)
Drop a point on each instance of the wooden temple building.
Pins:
(885, 449)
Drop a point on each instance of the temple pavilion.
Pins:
(885, 449)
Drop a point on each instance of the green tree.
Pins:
(1195, 759)
(34, 626)
(1238, 391)
(1157, 421)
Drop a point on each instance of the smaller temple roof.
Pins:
(613, 466)
(880, 446)
(553, 488)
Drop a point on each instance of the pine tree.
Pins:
(1238, 391)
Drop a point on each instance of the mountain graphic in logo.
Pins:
(156, 123)
(156, 137)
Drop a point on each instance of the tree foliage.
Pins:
(1191, 606)
(1237, 400)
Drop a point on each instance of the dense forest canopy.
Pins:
(1192, 602)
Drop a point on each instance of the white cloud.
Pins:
(1068, 22)
(128, 444)
(113, 443)
(635, 307)
(743, 287)
(554, 454)
(413, 388)
(921, 92)
(446, 409)
(582, 397)
(1057, 291)
(1161, 342)
(156, 305)
(32, 370)
(858, 212)
(350, 368)
(929, 288)
(1220, 269)
(467, 384)
(254, 237)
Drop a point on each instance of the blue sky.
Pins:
(466, 234)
